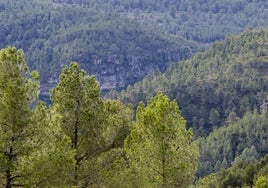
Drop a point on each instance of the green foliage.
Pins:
(16, 84)
(241, 174)
(81, 109)
(213, 87)
(242, 141)
(118, 118)
(159, 148)
(262, 182)
(32, 149)
(50, 160)
(94, 126)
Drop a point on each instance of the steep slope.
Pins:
(242, 174)
(118, 51)
(230, 78)
(243, 139)
(200, 20)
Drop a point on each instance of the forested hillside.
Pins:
(82, 140)
(242, 140)
(241, 174)
(224, 82)
(117, 50)
(222, 93)
(199, 122)
(119, 41)
(200, 20)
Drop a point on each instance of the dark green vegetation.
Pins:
(81, 140)
(117, 50)
(223, 96)
(213, 87)
(243, 140)
(199, 20)
(241, 174)
(120, 41)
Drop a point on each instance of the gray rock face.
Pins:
(114, 71)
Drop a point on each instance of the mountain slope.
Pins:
(200, 20)
(241, 174)
(119, 41)
(118, 51)
(231, 77)
(243, 139)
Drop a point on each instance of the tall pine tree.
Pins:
(78, 98)
(159, 148)
(18, 91)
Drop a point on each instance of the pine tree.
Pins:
(34, 151)
(49, 159)
(78, 98)
(18, 91)
(159, 147)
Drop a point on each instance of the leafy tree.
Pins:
(50, 159)
(262, 182)
(18, 91)
(159, 148)
(33, 151)
(117, 121)
(108, 166)
(81, 108)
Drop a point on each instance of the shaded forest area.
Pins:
(201, 122)
(87, 141)
(119, 41)
(117, 50)
(204, 21)
(222, 94)
(82, 140)
(214, 87)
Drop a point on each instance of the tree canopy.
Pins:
(159, 148)
(213, 87)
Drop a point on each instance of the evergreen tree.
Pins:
(18, 91)
(33, 150)
(262, 182)
(50, 159)
(81, 108)
(159, 148)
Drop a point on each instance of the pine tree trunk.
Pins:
(10, 157)
(8, 178)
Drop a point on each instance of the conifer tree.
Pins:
(81, 108)
(159, 148)
(18, 90)
(33, 151)
(49, 159)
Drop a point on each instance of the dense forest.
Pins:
(196, 118)
(200, 20)
(117, 50)
(222, 93)
(81, 140)
(84, 140)
(223, 83)
(119, 41)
